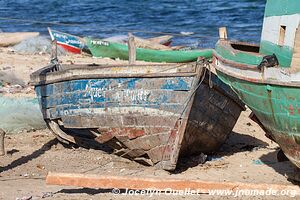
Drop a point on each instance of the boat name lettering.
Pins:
(94, 92)
(100, 42)
(66, 39)
(133, 95)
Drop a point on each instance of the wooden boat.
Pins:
(101, 48)
(70, 43)
(10, 39)
(75, 44)
(148, 113)
(267, 77)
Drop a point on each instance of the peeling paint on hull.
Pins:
(273, 97)
(151, 119)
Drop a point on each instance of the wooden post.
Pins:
(131, 49)
(2, 149)
(223, 33)
(54, 58)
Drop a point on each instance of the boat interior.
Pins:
(247, 47)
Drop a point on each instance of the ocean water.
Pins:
(102, 18)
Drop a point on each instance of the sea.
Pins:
(194, 23)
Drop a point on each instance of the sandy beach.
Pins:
(247, 156)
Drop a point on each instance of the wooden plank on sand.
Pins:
(138, 183)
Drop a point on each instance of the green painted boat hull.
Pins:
(278, 109)
(101, 48)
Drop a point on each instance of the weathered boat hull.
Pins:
(278, 109)
(273, 96)
(151, 114)
(101, 48)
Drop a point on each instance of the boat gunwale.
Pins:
(227, 44)
(241, 77)
(235, 64)
(48, 74)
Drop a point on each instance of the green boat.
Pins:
(101, 48)
(267, 77)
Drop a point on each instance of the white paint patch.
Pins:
(120, 111)
(271, 29)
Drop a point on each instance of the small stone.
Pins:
(24, 198)
(47, 194)
(122, 170)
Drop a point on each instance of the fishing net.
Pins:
(10, 77)
(37, 45)
(19, 114)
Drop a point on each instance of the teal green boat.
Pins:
(267, 77)
(101, 48)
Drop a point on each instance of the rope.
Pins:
(112, 29)
(205, 62)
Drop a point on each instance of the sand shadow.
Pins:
(88, 191)
(33, 155)
(238, 142)
(235, 143)
(285, 168)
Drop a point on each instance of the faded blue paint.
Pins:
(131, 83)
(63, 98)
(177, 84)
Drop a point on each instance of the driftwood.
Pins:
(177, 47)
(146, 44)
(10, 39)
(2, 149)
(160, 39)
(138, 183)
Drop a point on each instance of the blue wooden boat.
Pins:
(67, 41)
(149, 113)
